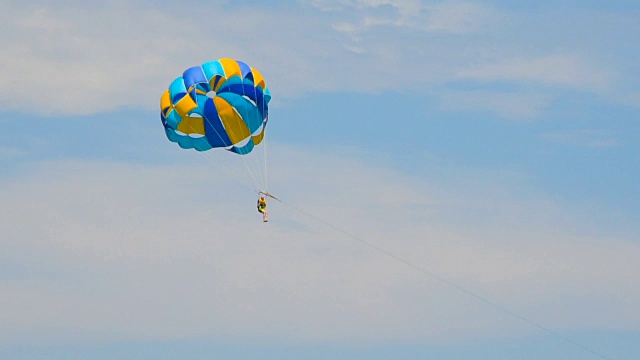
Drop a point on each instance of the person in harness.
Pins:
(262, 208)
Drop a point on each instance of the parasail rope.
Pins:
(244, 161)
(256, 157)
(266, 178)
(224, 168)
(420, 269)
(449, 283)
(257, 179)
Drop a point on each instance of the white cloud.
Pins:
(632, 99)
(442, 17)
(562, 70)
(10, 152)
(510, 105)
(459, 17)
(331, 5)
(452, 17)
(179, 251)
(81, 59)
(585, 137)
(89, 59)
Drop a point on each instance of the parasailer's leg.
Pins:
(264, 216)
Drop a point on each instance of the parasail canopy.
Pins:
(219, 104)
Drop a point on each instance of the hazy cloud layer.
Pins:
(127, 251)
(506, 104)
(111, 235)
(559, 70)
(76, 58)
(586, 138)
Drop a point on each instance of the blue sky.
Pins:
(491, 143)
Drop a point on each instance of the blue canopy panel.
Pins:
(230, 81)
(214, 131)
(172, 120)
(192, 77)
(267, 95)
(200, 101)
(261, 104)
(244, 69)
(243, 150)
(177, 90)
(248, 89)
(211, 69)
(203, 88)
(247, 110)
(186, 141)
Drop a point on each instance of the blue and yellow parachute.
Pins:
(220, 104)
